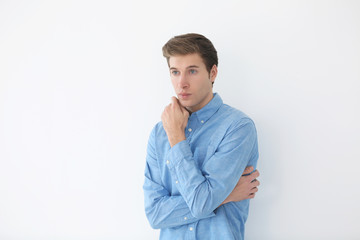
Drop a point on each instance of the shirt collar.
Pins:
(209, 109)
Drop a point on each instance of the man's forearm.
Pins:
(175, 138)
(245, 188)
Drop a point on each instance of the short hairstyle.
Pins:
(192, 43)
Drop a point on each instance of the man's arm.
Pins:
(246, 187)
(162, 209)
(204, 190)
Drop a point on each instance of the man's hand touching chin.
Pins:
(174, 119)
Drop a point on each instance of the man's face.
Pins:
(191, 80)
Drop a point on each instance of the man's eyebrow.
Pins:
(191, 66)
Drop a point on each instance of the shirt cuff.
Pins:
(177, 153)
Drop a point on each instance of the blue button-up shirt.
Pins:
(184, 185)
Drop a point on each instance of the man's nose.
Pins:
(183, 82)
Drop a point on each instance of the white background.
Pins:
(82, 83)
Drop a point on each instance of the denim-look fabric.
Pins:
(184, 185)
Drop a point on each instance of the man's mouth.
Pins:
(184, 95)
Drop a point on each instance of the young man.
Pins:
(197, 154)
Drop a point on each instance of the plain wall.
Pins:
(82, 83)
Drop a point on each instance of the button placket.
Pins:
(189, 129)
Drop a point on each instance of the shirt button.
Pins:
(191, 229)
(167, 161)
(185, 218)
(189, 129)
(177, 182)
(202, 121)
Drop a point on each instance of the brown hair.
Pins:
(192, 43)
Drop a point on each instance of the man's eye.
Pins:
(175, 72)
(193, 71)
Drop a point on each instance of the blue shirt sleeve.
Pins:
(204, 190)
(162, 209)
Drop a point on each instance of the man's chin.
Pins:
(188, 107)
(184, 103)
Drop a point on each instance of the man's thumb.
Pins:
(174, 100)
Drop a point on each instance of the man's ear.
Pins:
(213, 73)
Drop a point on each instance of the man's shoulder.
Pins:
(233, 115)
(158, 129)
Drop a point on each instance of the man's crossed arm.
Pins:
(200, 194)
(174, 118)
(246, 187)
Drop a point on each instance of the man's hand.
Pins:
(245, 188)
(174, 119)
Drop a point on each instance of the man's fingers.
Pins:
(254, 175)
(175, 101)
(251, 195)
(248, 170)
(254, 190)
(255, 183)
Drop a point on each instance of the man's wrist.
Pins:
(224, 202)
(227, 200)
(176, 139)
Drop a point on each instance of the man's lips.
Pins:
(184, 95)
